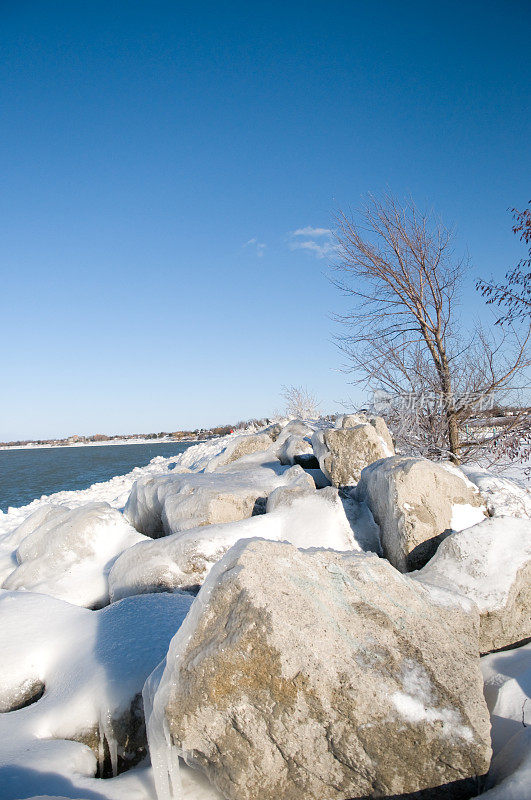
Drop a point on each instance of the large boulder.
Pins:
(161, 505)
(239, 446)
(344, 452)
(489, 563)
(332, 677)
(378, 423)
(417, 503)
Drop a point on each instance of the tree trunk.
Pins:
(453, 436)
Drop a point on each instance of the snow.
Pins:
(464, 515)
(92, 664)
(481, 562)
(507, 677)
(417, 703)
(504, 497)
(67, 553)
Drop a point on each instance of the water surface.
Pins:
(27, 474)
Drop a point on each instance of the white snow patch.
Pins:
(507, 678)
(415, 704)
(481, 562)
(464, 515)
(66, 553)
(504, 497)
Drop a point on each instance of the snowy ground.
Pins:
(85, 669)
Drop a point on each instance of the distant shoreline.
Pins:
(99, 444)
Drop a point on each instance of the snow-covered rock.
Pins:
(293, 446)
(239, 446)
(378, 423)
(68, 553)
(92, 666)
(165, 504)
(274, 430)
(286, 495)
(417, 503)
(336, 677)
(304, 517)
(489, 563)
(503, 496)
(296, 427)
(344, 452)
(508, 694)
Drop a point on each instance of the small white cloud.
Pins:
(321, 249)
(259, 247)
(309, 231)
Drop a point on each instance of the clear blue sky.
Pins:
(156, 158)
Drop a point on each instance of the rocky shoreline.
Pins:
(293, 613)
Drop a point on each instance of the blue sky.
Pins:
(156, 159)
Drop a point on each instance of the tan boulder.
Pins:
(334, 678)
(417, 503)
(344, 452)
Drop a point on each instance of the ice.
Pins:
(68, 553)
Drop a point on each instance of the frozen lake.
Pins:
(27, 474)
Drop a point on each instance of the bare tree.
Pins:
(299, 402)
(515, 294)
(404, 339)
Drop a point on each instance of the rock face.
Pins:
(238, 447)
(344, 452)
(334, 678)
(165, 504)
(417, 503)
(490, 564)
(378, 423)
(293, 446)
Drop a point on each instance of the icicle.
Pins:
(164, 758)
(112, 744)
(101, 750)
